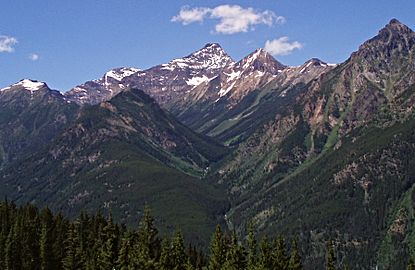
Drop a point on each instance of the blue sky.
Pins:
(66, 43)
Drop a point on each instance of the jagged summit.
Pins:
(391, 35)
(394, 29)
(397, 25)
(260, 60)
(120, 73)
(211, 56)
(312, 64)
(212, 45)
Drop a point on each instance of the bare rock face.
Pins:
(206, 77)
(166, 83)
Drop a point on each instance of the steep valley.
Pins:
(322, 152)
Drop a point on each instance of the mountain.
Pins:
(319, 151)
(166, 83)
(31, 116)
(252, 102)
(206, 89)
(93, 92)
(121, 154)
(334, 162)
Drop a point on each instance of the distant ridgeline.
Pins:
(38, 239)
(323, 153)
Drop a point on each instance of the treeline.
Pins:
(37, 239)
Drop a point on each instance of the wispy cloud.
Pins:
(7, 43)
(34, 56)
(187, 16)
(281, 46)
(232, 18)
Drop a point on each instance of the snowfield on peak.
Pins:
(27, 84)
(119, 74)
(195, 81)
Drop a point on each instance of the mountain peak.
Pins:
(397, 27)
(261, 60)
(120, 73)
(312, 63)
(315, 61)
(212, 45)
(31, 85)
(395, 35)
(211, 56)
(394, 21)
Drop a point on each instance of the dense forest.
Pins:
(39, 239)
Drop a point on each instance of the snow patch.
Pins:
(28, 85)
(232, 76)
(223, 92)
(259, 74)
(195, 81)
(120, 74)
(167, 67)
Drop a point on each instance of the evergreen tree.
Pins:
(125, 257)
(148, 243)
(295, 259)
(279, 257)
(165, 262)
(60, 236)
(46, 240)
(178, 253)
(217, 250)
(265, 255)
(331, 257)
(252, 248)
(108, 249)
(13, 247)
(30, 238)
(236, 257)
(71, 259)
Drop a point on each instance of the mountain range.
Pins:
(322, 151)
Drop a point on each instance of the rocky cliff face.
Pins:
(166, 83)
(337, 141)
(203, 86)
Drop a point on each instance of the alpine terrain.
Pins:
(318, 152)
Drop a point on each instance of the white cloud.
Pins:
(7, 43)
(34, 56)
(281, 46)
(187, 15)
(232, 18)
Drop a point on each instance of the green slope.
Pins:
(119, 156)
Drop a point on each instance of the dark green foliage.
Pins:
(330, 257)
(217, 256)
(279, 256)
(72, 258)
(178, 255)
(46, 240)
(126, 152)
(165, 261)
(295, 258)
(107, 252)
(94, 242)
(236, 255)
(252, 248)
(265, 260)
